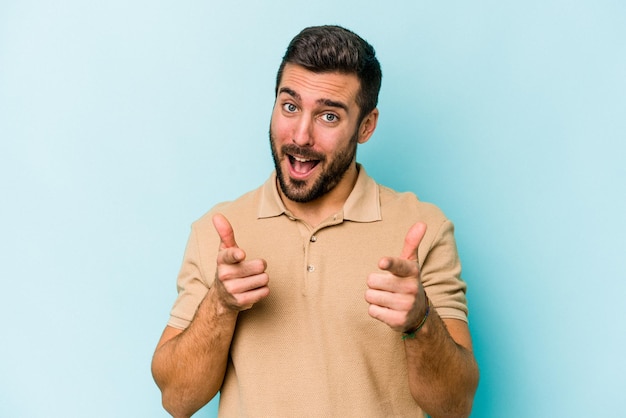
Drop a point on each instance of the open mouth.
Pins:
(302, 166)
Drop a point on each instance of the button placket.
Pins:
(310, 267)
(311, 259)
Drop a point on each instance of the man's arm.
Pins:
(189, 366)
(443, 374)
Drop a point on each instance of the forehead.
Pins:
(315, 86)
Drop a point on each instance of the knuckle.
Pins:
(411, 287)
(230, 287)
(402, 319)
(404, 304)
(225, 274)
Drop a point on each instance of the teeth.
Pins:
(302, 160)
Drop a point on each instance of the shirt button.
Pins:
(313, 238)
(310, 268)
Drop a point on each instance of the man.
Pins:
(280, 290)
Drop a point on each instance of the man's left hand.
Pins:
(395, 294)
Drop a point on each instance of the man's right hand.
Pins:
(239, 283)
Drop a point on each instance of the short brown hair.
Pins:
(334, 48)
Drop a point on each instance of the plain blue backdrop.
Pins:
(121, 122)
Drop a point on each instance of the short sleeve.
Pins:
(441, 275)
(196, 274)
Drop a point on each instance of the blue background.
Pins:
(121, 122)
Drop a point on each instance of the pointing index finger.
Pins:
(398, 266)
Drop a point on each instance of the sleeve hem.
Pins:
(178, 323)
(452, 313)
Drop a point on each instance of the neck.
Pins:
(316, 211)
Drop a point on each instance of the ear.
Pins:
(367, 127)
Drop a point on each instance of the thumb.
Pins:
(412, 241)
(225, 231)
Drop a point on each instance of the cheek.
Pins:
(332, 140)
(280, 129)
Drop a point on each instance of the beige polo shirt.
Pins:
(310, 349)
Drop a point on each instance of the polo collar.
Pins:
(362, 205)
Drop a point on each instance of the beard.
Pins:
(333, 170)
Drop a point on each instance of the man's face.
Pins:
(314, 131)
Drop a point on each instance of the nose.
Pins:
(303, 132)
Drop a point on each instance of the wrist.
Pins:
(220, 309)
(411, 332)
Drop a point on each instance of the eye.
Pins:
(290, 107)
(330, 117)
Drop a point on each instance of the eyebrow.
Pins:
(326, 102)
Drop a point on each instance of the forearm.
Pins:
(443, 375)
(190, 367)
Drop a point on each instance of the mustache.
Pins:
(309, 154)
